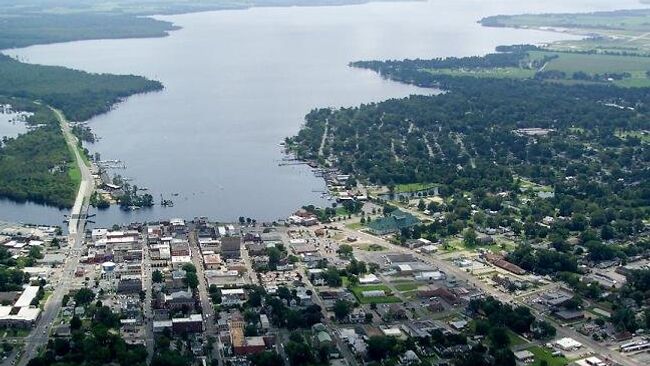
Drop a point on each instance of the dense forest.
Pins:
(80, 95)
(31, 29)
(34, 166)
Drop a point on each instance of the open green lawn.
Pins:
(354, 225)
(543, 354)
(413, 187)
(74, 173)
(407, 286)
(358, 290)
(527, 184)
(515, 339)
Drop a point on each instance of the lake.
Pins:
(238, 82)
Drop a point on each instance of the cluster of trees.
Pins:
(283, 316)
(512, 58)
(277, 307)
(131, 198)
(301, 353)
(543, 261)
(12, 279)
(327, 214)
(498, 314)
(191, 278)
(493, 319)
(93, 343)
(215, 294)
(97, 200)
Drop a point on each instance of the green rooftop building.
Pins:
(393, 223)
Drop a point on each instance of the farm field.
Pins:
(568, 62)
(593, 64)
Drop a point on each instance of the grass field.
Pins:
(354, 225)
(543, 354)
(407, 286)
(619, 31)
(515, 339)
(357, 291)
(74, 173)
(593, 64)
(568, 63)
(413, 187)
(529, 185)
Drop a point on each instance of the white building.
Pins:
(368, 279)
(568, 344)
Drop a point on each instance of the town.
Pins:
(342, 288)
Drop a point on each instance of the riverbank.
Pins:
(264, 69)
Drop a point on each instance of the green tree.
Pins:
(157, 276)
(379, 347)
(470, 238)
(192, 280)
(266, 358)
(84, 296)
(342, 309)
(345, 250)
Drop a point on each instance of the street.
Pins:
(76, 228)
(468, 278)
(210, 328)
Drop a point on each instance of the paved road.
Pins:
(77, 222)
(333, 330)
(76, 227)
(206, 302)
(148, 311)
(468, 278)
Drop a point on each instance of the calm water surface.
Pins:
(238, 82)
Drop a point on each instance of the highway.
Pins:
(76, 228)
